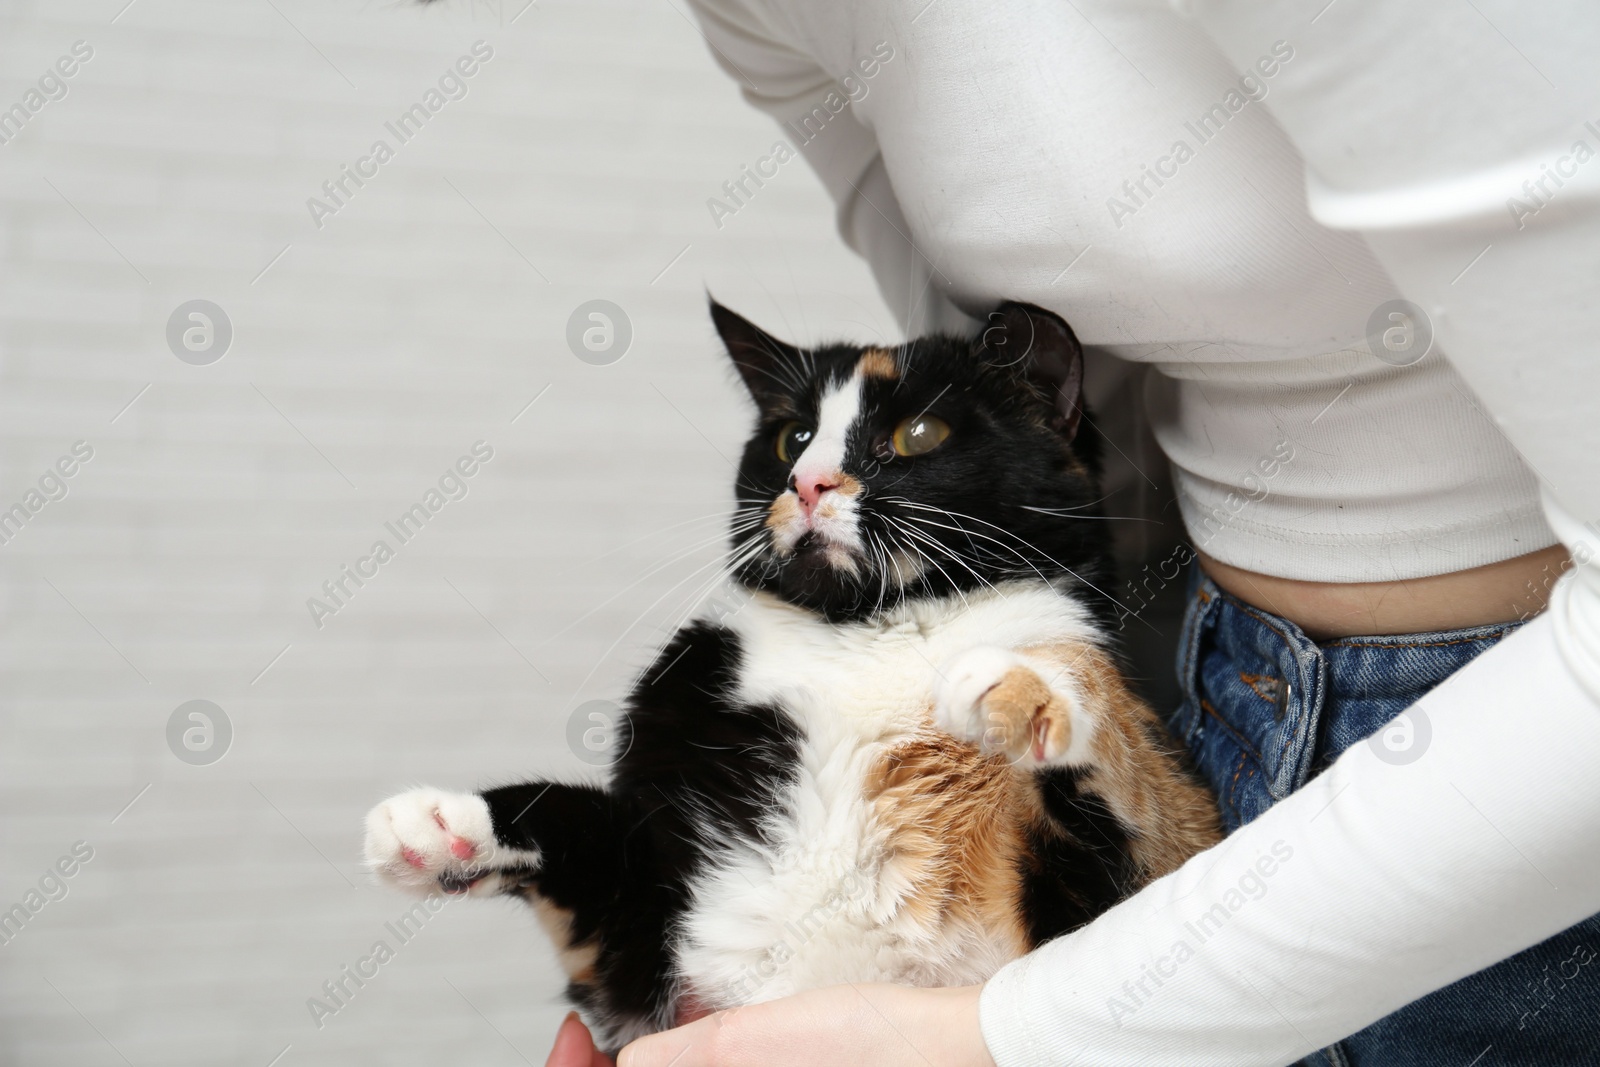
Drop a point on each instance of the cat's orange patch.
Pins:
(783, 511)
(845, 486)
(955, 822)
(878, 363)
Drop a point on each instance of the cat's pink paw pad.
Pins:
(427, 838)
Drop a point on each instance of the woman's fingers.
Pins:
(574, 1046)
(844, 1026)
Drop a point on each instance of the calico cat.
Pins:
(908, 757)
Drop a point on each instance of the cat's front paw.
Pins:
(427, 839)
(1007, 702)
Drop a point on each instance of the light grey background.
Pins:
(367, 356)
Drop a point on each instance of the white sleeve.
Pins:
(1377, 884)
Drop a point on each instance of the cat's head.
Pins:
(939, 466)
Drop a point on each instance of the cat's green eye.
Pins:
(919, 435)
(792, 440)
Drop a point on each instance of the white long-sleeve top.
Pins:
(1334, 156)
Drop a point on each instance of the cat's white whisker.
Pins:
(969, 534)
(677, 557)
(1028, 544)
(640, 618)
(1061, 513)
(947, 550)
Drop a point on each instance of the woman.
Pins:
(1233, 205)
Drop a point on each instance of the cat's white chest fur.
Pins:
(815, 905)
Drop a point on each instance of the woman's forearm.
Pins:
(1370, 887)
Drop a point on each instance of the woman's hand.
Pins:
(842, 1026)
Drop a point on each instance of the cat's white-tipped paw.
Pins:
(1000, 701)
(963, 682)
(427, 839)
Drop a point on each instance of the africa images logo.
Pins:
(453, 485)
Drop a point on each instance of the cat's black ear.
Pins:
(766, 364)
(1040, 345)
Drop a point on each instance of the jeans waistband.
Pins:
(1295, 703)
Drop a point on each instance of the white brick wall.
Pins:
(406, 328)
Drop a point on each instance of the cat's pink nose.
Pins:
(809, 488)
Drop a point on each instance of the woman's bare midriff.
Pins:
(1500, 592)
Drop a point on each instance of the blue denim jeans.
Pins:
(1265, 709)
